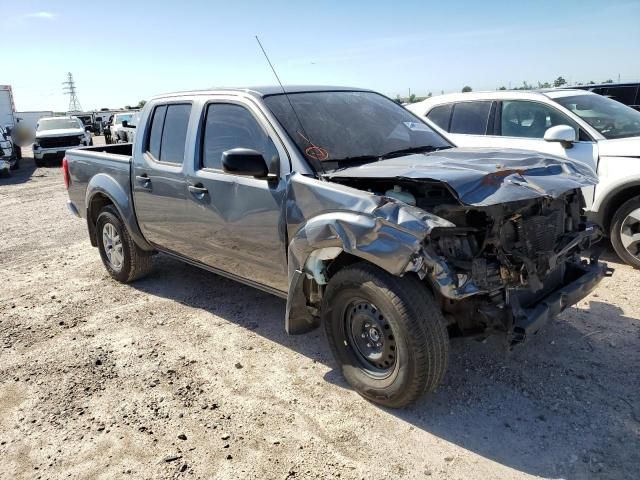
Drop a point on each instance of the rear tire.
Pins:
(387, 334)
(122, 258)
(39, 162)
(625, 224)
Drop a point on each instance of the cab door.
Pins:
(158, 183)
(237, 221)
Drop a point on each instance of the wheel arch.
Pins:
(614, 200)
(103, 190)
(329, 242)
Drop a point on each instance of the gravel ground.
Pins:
(189, 375)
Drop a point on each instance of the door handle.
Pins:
(198, 190)
(144, 181)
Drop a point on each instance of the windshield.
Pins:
(56, 123)
(612, 119)
(120, 118)
(342, 127)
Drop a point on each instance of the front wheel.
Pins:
(386, 333)
(625, 232)
(122, 258)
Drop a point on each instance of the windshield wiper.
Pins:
(405, 151)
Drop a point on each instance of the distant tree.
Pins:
(398, 100)
(127, 107)
(429, 95)
(558, 82)
(141, 103)
(608, 81)
(412, 98)
(544, 85)
(466, 89)
(591, 82)
(502, 88)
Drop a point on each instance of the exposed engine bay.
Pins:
(496, 256)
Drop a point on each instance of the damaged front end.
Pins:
(500, 248)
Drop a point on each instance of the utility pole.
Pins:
(69, 87)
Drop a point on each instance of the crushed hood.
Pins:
(481, 177)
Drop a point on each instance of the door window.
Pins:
(529, 119)
(230, 126)
(168, 135)
(470, 118)
(440, 115)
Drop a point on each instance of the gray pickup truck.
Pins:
(355, 211)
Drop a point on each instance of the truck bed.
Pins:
(98, 164)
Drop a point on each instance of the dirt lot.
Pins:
(189, 375)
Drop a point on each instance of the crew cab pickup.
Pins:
(355, 211)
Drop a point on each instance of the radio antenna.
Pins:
(303, 134)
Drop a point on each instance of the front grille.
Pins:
(55, 142)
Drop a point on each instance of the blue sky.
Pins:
(122, 52)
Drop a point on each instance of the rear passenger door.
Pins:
(237, 220)
(159, 185)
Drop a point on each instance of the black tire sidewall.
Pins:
(391, 390)
(109, 215)
(614, 232)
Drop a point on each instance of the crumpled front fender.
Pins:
(382, 231)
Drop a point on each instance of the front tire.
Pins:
(122, 258)
(625, 232)
(386, 333)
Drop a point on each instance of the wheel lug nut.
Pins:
(367, 325)
(368, 345)
(363, 335)
(379, 344)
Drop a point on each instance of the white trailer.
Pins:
(30, 119)
(7, 106)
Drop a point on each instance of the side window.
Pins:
(168, 134)
(440, 115)
(529, 119)
(470, 118)
(230, 126)
(155, 135)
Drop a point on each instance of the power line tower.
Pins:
(69, 87)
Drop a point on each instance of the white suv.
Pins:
(573, 124)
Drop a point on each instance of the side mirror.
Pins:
(88, 128)
(125, 124)
(245, 161)
(564, 134)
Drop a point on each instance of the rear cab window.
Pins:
(168, 132)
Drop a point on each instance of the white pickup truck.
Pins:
(55, 135)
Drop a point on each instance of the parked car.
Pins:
(627, 93)
(572, 124)
(118, 134)
(129, 128)
(55, 135)
(359, 214)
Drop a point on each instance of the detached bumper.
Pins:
(576, 282)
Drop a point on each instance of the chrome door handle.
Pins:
(198, 189)
(144, 181)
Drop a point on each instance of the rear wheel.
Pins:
(386, 333)
(122, 258)
(39, 162)
(625, 232)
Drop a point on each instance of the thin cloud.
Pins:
(44, 15)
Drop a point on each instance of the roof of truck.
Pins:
(267, 90)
